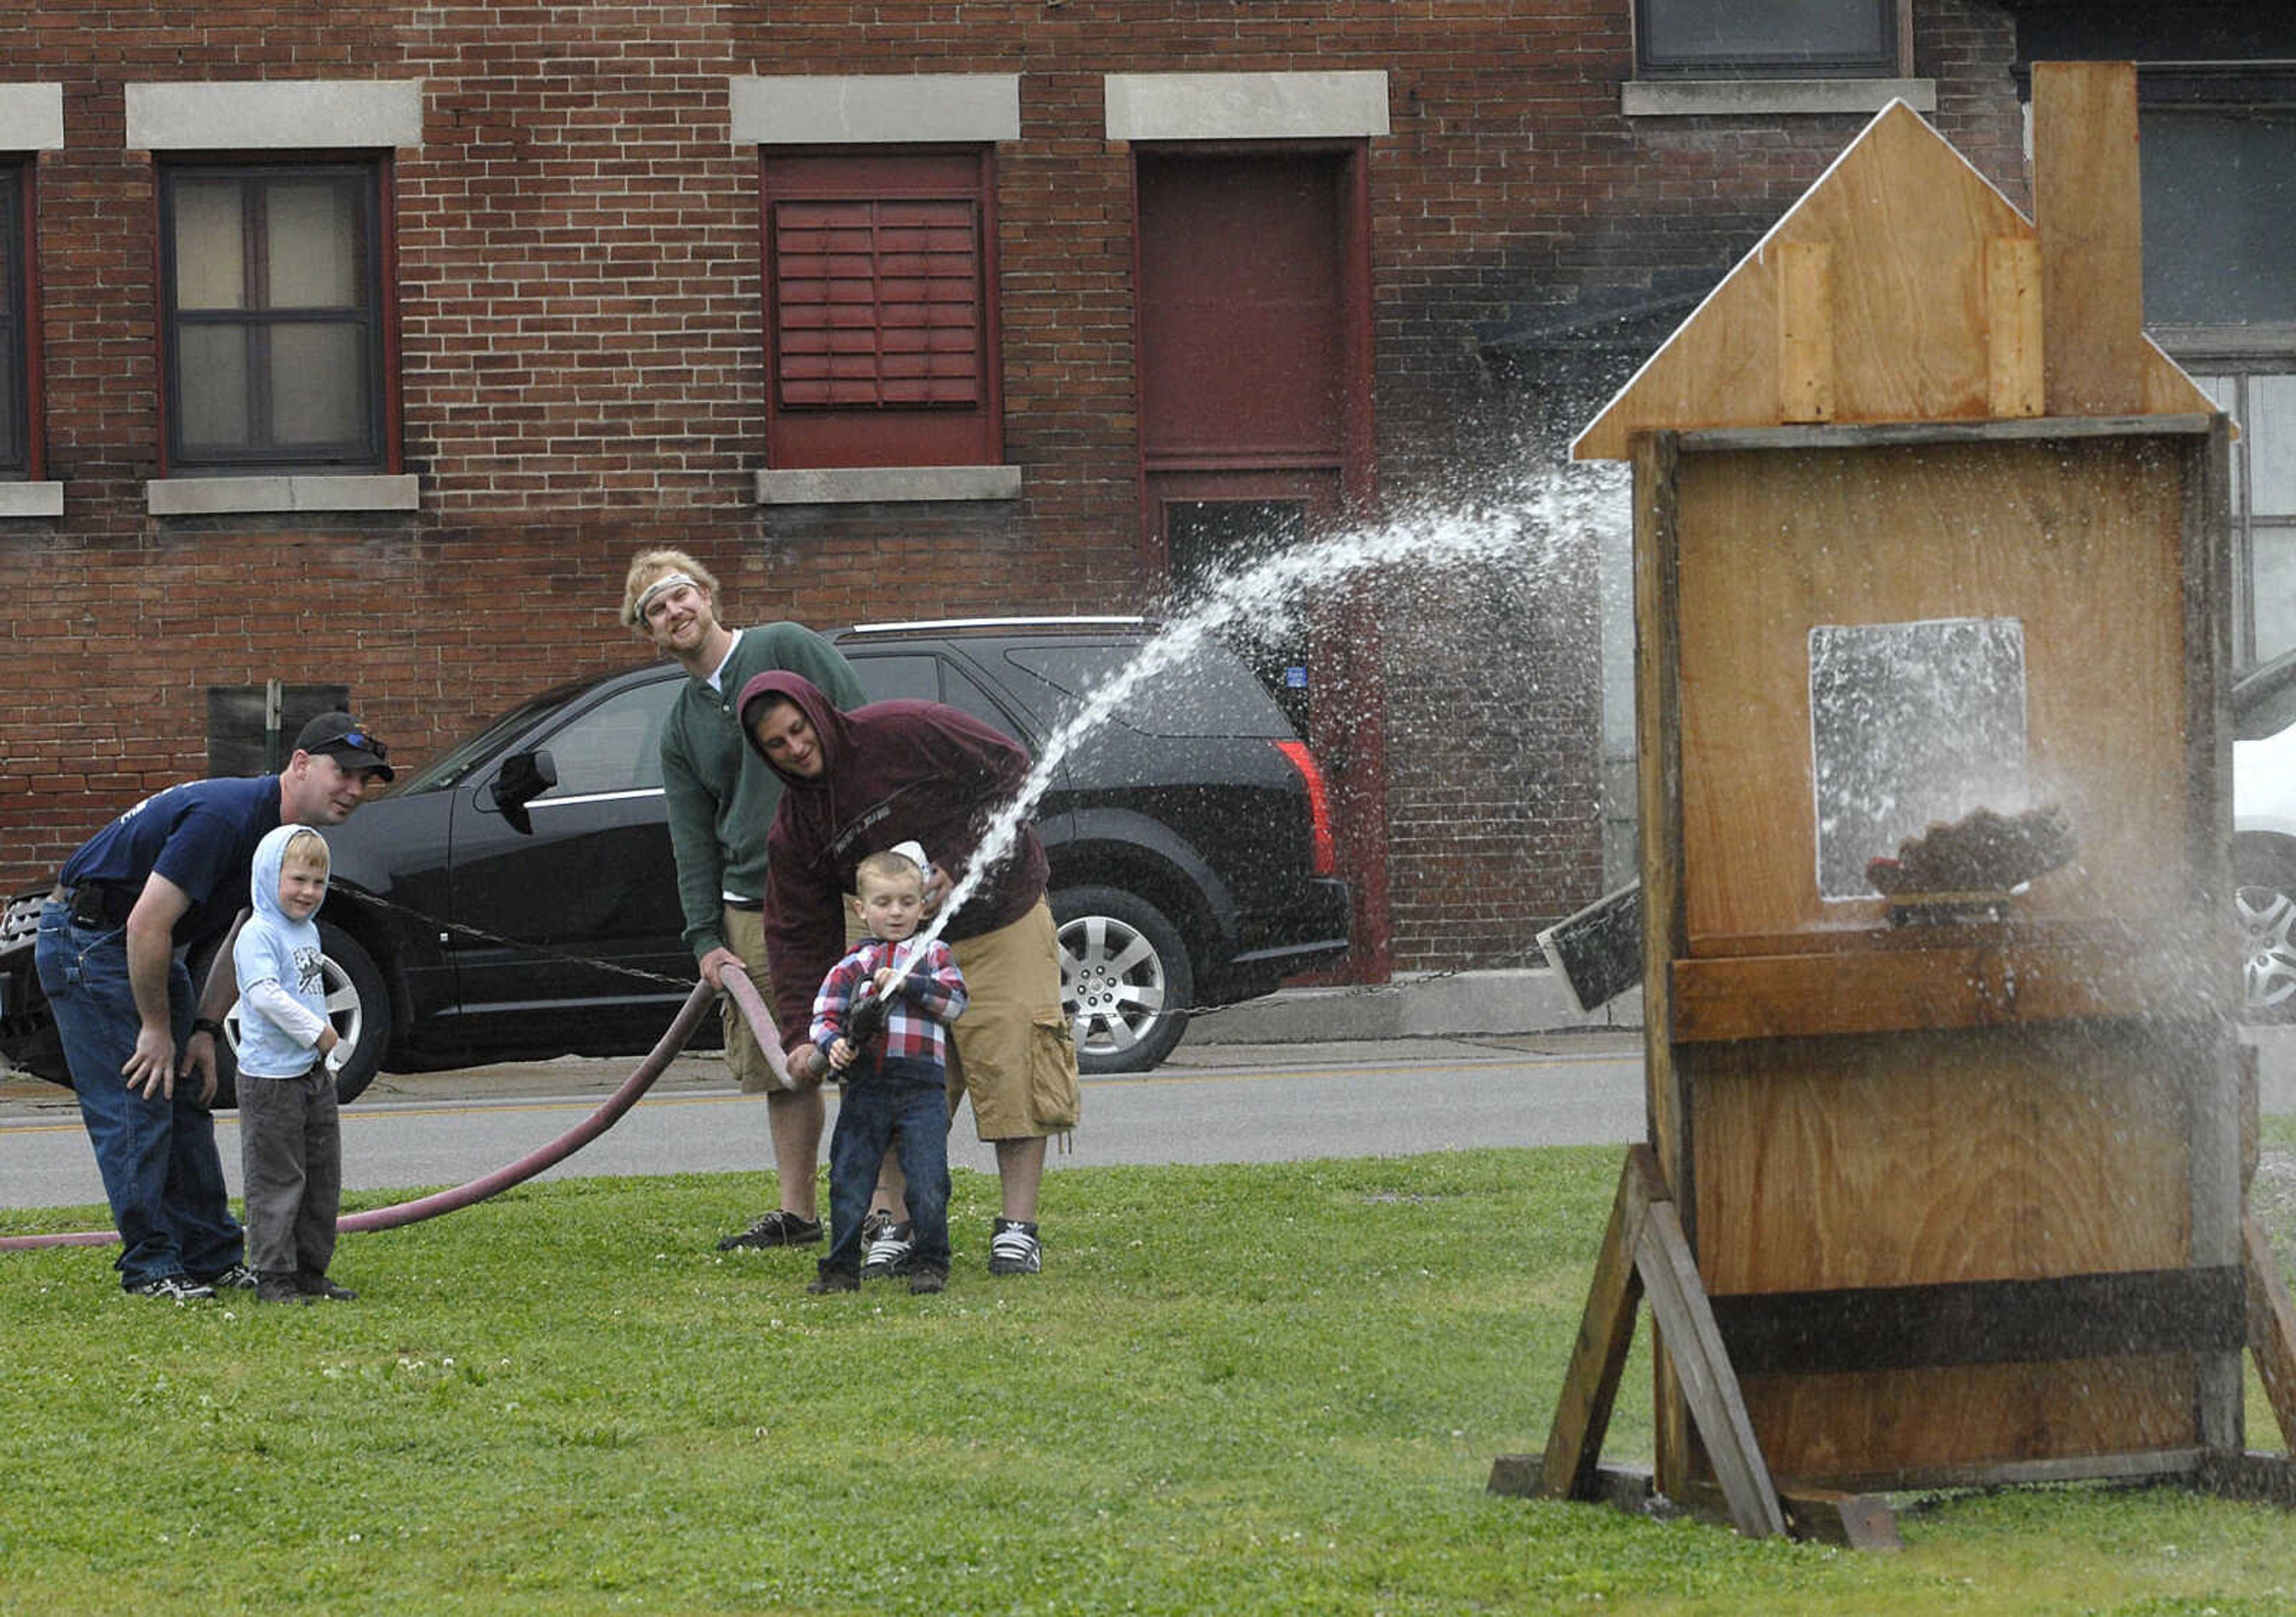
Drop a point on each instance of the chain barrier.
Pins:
(1490, 962)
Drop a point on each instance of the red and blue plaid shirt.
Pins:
(929, 993)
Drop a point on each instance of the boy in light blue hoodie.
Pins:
(290, 1138)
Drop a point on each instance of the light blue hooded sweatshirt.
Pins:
(275, 950)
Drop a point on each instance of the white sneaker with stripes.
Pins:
(886, 1246)
(1013, 1248)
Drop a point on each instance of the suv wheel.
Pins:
(358, 1003)
(1126, 983)
(2265, 896)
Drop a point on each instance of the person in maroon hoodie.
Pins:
(864, 781)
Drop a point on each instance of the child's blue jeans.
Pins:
(906, 1104)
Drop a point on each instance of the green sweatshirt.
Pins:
(721, 795)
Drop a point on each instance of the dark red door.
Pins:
(1254, 346)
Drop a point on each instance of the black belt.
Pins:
(95, 903)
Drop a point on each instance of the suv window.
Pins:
(616, 746)
(1208, 694)
(921, 676)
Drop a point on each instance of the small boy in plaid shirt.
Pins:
(896, 1094)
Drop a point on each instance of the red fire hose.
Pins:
(744, 994)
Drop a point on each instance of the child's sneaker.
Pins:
(834, 1280)
(239, 1276)
(282, 1290)
(1013, 1248)
(320, 1289)
(172, 1288)
(927, 1278)
(886, 1246)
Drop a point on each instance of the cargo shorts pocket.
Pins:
(1053, 1100)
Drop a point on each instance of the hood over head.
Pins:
(263, 878)
(828, 724)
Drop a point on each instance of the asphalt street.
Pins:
(1210, 1103)
(1218, 1103)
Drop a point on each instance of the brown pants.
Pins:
(290, 1156)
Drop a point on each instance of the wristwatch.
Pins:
(209, 1026)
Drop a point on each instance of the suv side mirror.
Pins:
(524, 776)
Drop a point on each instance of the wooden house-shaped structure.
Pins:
(1948, 1187)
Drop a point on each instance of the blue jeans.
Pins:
(912, 1109)
(161, 1173)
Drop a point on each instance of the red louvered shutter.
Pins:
(878, 315)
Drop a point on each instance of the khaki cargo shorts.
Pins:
(745, 936)
(1013, 1052)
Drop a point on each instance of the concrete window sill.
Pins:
(1752, 97)
(292, 491)
(31, 499)
(869, 485)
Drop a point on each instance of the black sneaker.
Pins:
(1013, 1248)
(927, 1278)
(171, 1289)
(779, 1228)
(267, 1290)
(320, 1289)
(886, 1247)
(239, 1276)
(834, 1280)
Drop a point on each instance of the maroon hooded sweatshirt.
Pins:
(892, 773)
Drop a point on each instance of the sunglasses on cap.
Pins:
(358, 741)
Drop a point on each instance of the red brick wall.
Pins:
(581, 337)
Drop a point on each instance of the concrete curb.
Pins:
(1469, 1002)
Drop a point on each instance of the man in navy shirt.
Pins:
(167, 874)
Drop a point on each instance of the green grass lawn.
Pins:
(1234, 1389)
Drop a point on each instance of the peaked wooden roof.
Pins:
(1901, 287)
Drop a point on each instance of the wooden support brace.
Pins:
(1710, 1386)
(1855, 1520)
(2262, 1479)
(1590, 1387)
(1805, 293)
(1644, 1250)
(2271, 1327)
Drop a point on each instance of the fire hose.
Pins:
(610, 1111)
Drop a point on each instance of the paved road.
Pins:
(1210, 1103)
(1226, 1103)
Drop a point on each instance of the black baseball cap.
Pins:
(348, 742)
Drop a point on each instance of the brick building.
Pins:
(358, 349)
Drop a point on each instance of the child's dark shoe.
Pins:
(320, 1289)
(927, 1278)
(270, 1288)
(834, 1280)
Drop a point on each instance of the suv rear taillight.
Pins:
(1319, 804)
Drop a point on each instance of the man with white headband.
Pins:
(721, 798)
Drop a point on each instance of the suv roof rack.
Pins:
(944, 624)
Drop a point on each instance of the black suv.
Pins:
(516, 899)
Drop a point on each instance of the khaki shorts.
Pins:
(745, 936)
(1013, 1052)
